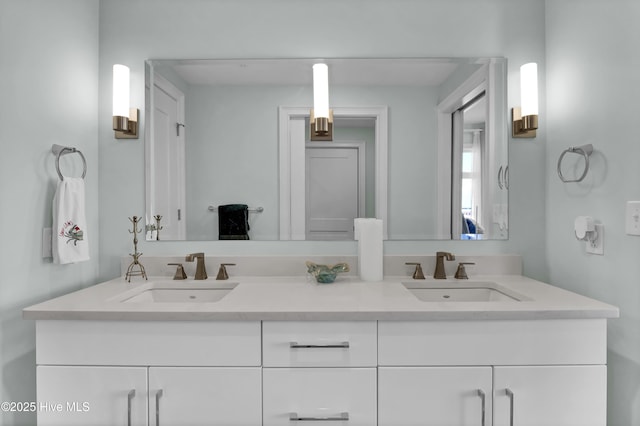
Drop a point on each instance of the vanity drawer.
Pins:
(319, 343)
(304, 395)
(148, 343)
(522, 342)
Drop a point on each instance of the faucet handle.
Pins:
(222, 272)
(417, 274)
(461, 272)
(180, 274)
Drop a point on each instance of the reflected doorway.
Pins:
(335, 188)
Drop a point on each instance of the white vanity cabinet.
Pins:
(550, 395)
(434, 396)
(319, 371)
(191, 373)
(96, 396)
(500, 373)
(470, 396)
(529, 372)
(205, 396)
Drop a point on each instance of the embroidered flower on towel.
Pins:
(71, 232)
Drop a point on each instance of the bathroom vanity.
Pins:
(285, 350)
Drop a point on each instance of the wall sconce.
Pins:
(525, 118)
(321, 117)
(125, 119)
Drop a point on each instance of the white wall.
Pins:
(593, 74)
(49, 87)
(281, 28)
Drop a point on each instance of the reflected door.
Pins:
(334, 191)
(168, 160)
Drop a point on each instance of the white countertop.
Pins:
(296, 298)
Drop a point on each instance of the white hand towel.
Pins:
(368, 232)
(70, 242)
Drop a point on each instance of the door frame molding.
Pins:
(291, 142)
(448, 177)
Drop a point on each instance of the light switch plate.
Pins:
(47, 235)
(632, 218)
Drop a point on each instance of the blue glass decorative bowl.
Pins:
(326, 274)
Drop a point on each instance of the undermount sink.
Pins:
(174, 293)
(465, 292)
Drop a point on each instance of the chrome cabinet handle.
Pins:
(159, 394)
(511, 398)
(294, 417)
(130, 396)
(500, 177)
(296, 345)
(483, 398)
(506, 177)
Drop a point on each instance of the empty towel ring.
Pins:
(59, 151)
(585, 151)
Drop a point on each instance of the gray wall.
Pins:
(232, 153)
(49, 87)
(281, 28)
(593, 91)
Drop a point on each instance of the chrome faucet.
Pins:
(439, 273)
(201, 271)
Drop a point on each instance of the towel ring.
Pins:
(585, 151)
(59, 151)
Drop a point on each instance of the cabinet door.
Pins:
(91, 396)
(550, 396)
(198, 396)
(434, 396)
(319, 396)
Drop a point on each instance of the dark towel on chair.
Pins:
(233, 222)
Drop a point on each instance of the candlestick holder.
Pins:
(158, 227)
(135, 268)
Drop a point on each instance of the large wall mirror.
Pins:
(421, 143)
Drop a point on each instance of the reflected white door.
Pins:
(168, 160)
(334, 191)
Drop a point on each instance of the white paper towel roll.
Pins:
(368, 233)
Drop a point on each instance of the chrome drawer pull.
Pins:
(482, 396)
(294, 417)
(511, 398)
(130, 396)
(159, 394)
(296, 345)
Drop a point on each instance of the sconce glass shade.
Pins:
(529, 89)
(125, 119)
(120, 91)
(321, 90)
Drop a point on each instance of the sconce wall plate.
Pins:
(321, 128)
(523, 127)
(127, 127)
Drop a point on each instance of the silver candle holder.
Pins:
(135, 268)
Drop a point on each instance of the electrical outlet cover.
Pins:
(598, 245)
